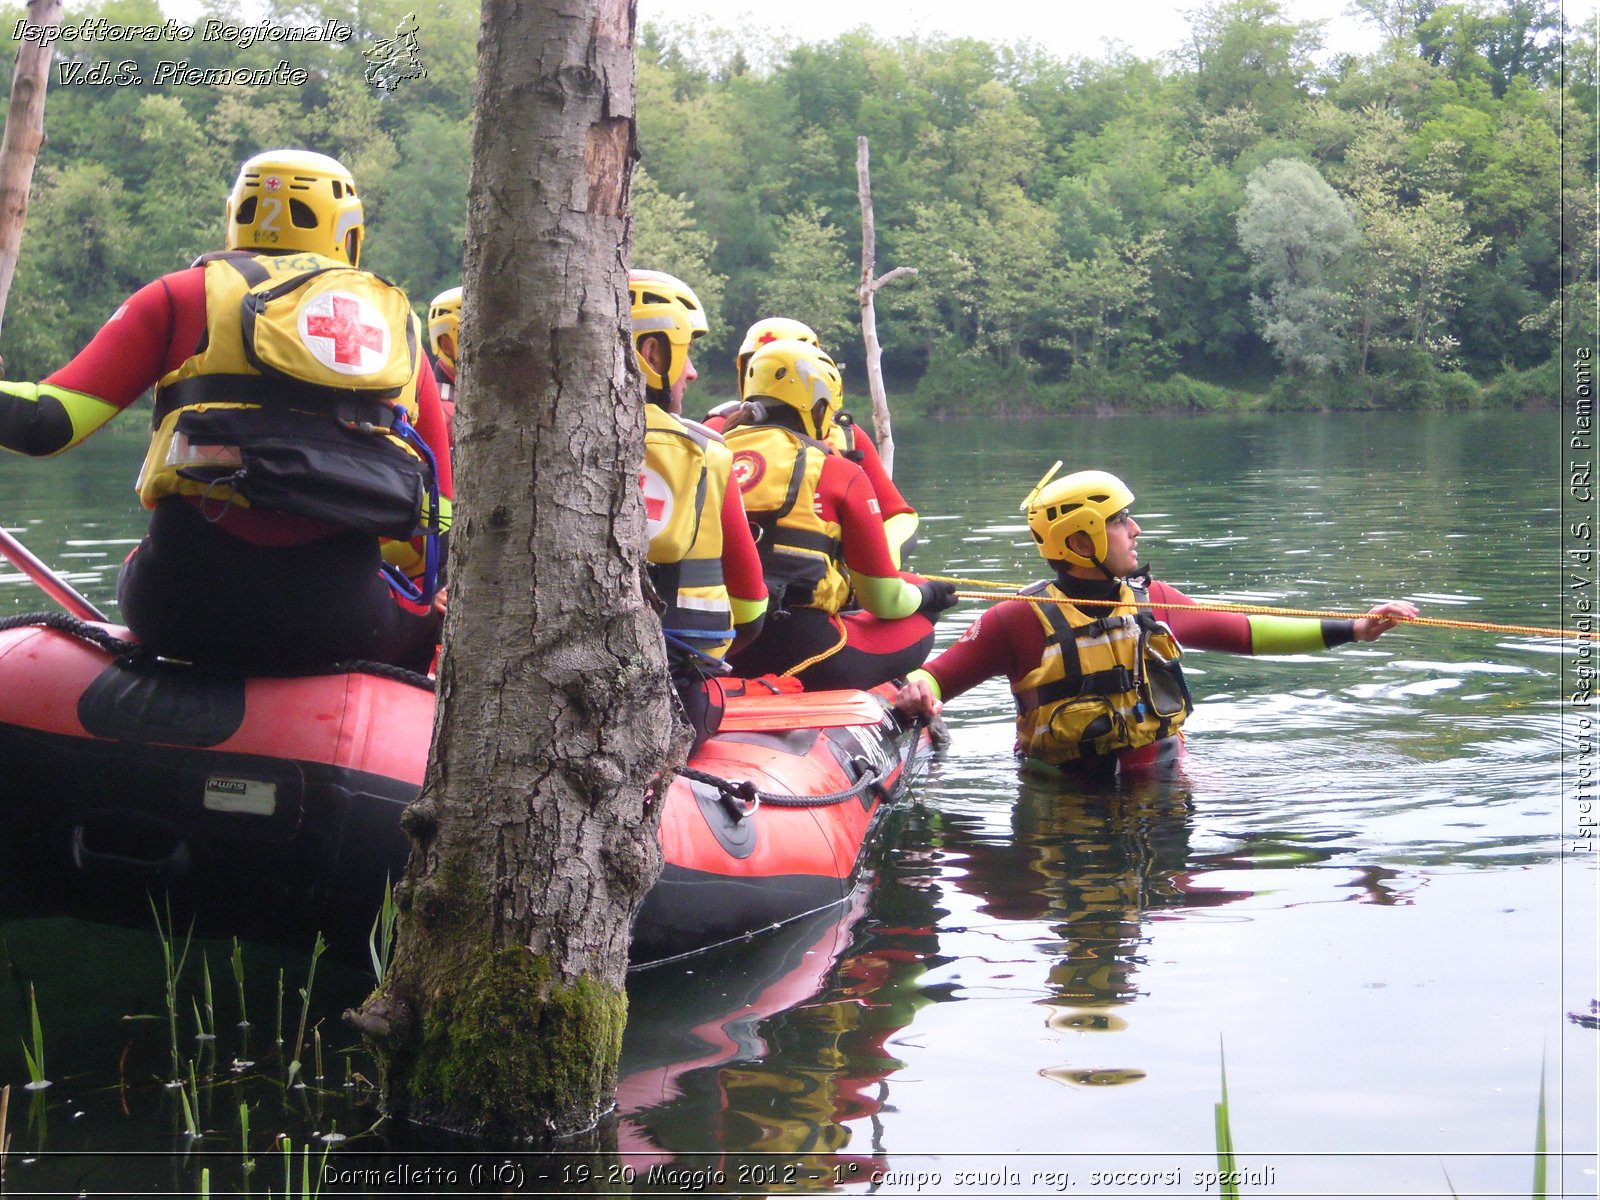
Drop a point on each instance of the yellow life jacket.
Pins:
(289, 401)
(778, 472)
(842, 437)
(685, 480)
(1109, 680)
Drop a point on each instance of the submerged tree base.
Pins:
(503, 1037)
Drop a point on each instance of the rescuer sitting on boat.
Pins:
(701, 560)
(444, 336)
(817, 516)
(294, 426)
(844, 435)
(1099, 686)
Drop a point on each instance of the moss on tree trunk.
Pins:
(504, 1038)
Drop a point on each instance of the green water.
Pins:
(1358, 887)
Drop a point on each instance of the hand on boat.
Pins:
(916, 699)
(1381, 619)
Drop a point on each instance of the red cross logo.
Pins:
(345, 333)
(658, 501)
(655, 507)
(748, 468)
(272, 183)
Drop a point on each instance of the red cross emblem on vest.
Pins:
(655, 507)
(748, 468)
(345, 333)
(658, 500)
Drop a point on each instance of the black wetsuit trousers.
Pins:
(193, 592)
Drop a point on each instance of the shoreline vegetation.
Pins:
(984, 393)
(1176, 394)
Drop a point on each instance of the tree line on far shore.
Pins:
(1244, 224)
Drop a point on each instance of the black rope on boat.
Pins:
(361, 666)
(748, 792)
(139, 654)
(84, 630)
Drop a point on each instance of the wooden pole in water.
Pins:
(24, 135)
(869, 316)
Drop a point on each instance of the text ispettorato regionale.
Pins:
(98, 29)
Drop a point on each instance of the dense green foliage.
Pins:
(1243, 223)
(133, 178)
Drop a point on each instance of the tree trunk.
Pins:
(534, 838)
(23, 138)
(869, 316)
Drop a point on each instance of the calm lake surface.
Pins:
(1357, 890)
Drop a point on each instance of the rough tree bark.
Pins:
(23, 138)
(534, 837)
(869, 314)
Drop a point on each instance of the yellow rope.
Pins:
(1262, 610)
(828, 653)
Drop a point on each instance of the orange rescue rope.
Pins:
(1262, 610)
(825, 654)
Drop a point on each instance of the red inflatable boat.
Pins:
(280, 798)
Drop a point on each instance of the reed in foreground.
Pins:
(1227, 1169)
(33, 1048)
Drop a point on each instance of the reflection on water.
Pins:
(1354, 884)
(1089, 864)
(822, 998)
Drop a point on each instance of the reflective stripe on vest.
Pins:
(685, 480)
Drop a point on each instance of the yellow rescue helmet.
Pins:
(295, 200)
(770, 329)
(799, 375)
(444, 320)
(665, 304)
(1082, 502)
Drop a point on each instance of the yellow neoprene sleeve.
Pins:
(889, 598)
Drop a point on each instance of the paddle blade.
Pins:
(800, 710)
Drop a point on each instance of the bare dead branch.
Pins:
(869, 317)
(891, 276)
(24, 136)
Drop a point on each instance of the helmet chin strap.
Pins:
(1099, 563)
